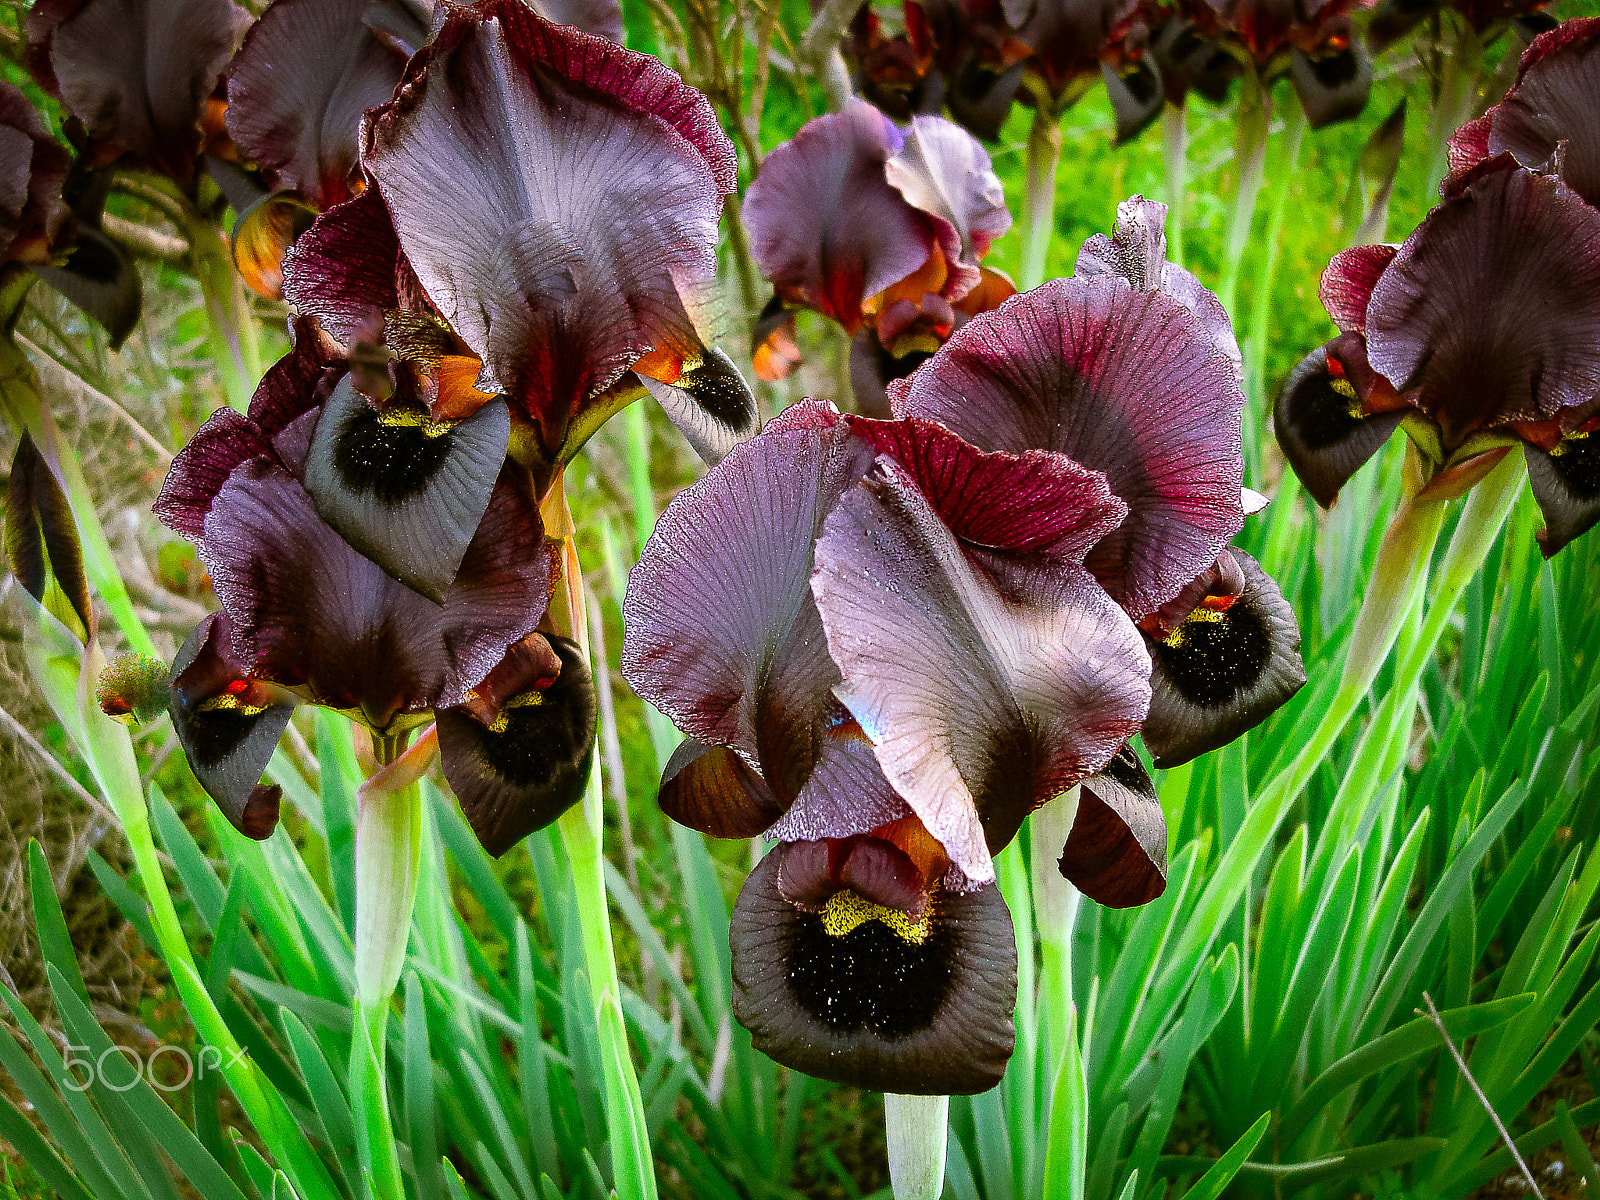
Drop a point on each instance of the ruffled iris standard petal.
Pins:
(529, 764)
(1116, 853)
(1323, 426)
(228, 726)
(579, 245)
(869, 1008)
(310, 612)
(1223, 670)
(826, 225)
(1566, 483)
(1553, 106)
(721, 633)
(138, 73)
(983, 698)
(1128, 383)
(1491, 309)
(302, 79)
(402, 489)
(1347, 284)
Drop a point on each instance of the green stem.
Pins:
(388, 853)
(637, 427)
(1175, 158)
(917, 1127)
(19, 394)
(1039, 204)
(1255, 348)
(1457, 100)
(1250, 157)
(1055, 914)
(232, 338)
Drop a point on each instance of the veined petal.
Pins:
(580, 244)
(308, 611)
(1347, 284)
(721, 633)
(710, 788)
(1127, 383)
(983, 699)
(1489, 310)
(867, 1007)
(1223, 670)
(945, 172)
(1116, 853)
(530, 763)
(402, 489)
(228, 726)
(302, 79)
(1322, 423)
(345, 269)
(710, 403)
(827, 228)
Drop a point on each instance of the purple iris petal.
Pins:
(1551, 115)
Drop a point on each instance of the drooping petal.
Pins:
(138, 73)
(1347, 284)
(710, 403)
(944, 171)
(33, 166)
(1323, 428)
(982, 699)
(1127, 383)
(1333, 84)
(228, 727)
(1490, 309)
(868, 1008)
(710, 788)
(1116, 853)
(1137, 251)
(1223, 670)
(846, 792)
(1136, 94)
(310, 612)
(302, 79)
(402, 489)
(100, 278)
(1566, 483)
(826, 225)
(529, 765)
(575, 247)
(262, 236)
(720, 631)
(1555, 106)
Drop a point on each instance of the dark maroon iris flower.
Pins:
(880, 230)
(1480, 331)
(921, 629)
(1311, 41)
(570, 262)
(307, 617)
(140, 75)
(1393, 19)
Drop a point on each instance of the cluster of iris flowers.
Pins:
(889, 641)
(373, 524)
(1477, 334)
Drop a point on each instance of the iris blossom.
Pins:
(1478, 333)
(297, 90)
(877, 229)
(890, 640)
(307, 618)
(539, 221)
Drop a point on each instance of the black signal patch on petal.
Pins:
(710, 788)
(1332, 87)
(228, 727)
(1566, 483)
(1318, 417)
(869, 1004)
(406, 491)
(529, 766)
(1223, 670)
(1116, 853)
(710, 403)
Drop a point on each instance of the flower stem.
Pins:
(1039, 204)
(1457, 100)
(1055, 913)
(388, 851)
(232, 338)
(1175, 158)
(1250, 158)
(582, 830)
(917, 1127)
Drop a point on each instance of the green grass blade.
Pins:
(55, 943)
(1210, 1185)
